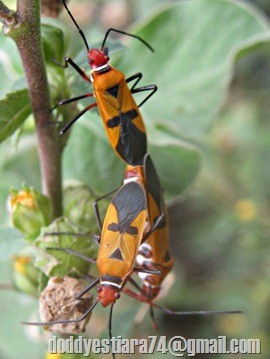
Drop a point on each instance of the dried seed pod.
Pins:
(58, 302)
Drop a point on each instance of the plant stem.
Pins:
(27, 35)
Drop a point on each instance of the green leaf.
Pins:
(78, 207)
(195, 46)
(53, 42)
(14, 110)
(178, 165)
(93, 160)
(57, 262)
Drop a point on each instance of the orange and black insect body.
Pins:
(156, 250)
(154, 253)
(119, 112)
(121, 236)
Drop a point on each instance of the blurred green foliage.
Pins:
(208, 133)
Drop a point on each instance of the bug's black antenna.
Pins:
(125, 33)
(110, 328)
(76, 24)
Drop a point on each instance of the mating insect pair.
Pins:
(134, 239)
(134, 234)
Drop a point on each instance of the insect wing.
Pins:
(159, 239)
(121, 116)
(122, 232)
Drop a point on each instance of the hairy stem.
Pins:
(26, 33)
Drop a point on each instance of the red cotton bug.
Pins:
(135, 228)
(119, 112)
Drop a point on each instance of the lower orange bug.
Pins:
(119, 112)
(122, 233)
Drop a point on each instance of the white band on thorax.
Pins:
(100, 68)
(131, 179)
(111, 284)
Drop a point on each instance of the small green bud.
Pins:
(25, 275)
(30, 210)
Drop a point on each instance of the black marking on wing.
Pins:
(113, 122)
(132, 144)
(114, 227)
(117, 255)
(129, 201)
(153, 188)
(113, 91)
(123, 116)
(152, 181)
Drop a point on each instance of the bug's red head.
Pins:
(97, 58)
(107, 295)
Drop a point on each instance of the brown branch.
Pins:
(26, 33)
(7, 16)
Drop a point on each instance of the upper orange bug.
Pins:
(119, 112)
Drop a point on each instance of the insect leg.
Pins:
(152, 315)
(69, 60)
(71, 251)
(96, 208)
(86, 289)
(156, 224)
(138, 77)
(65, 321)
(83, 235)
(68, 125)
(148, 271)
(73, 99)
(136, 285)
